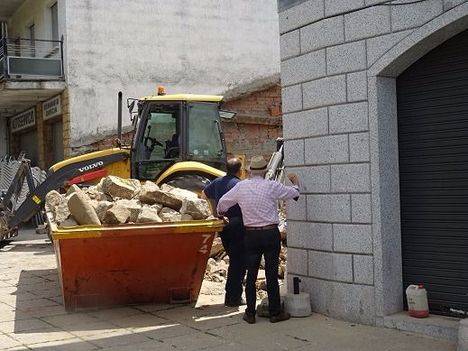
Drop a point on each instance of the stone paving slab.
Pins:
(32, 317)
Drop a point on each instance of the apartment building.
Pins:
(62, 63)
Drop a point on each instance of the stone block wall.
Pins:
(328, 49)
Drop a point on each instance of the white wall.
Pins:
(205, 46)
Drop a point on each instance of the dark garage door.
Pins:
(433, 148)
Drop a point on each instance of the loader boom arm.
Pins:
(10, 219)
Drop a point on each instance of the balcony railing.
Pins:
(25, 59)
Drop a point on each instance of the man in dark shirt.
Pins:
(232, 235)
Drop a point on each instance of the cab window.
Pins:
(161, 136)
(159, 145)
(204, 138)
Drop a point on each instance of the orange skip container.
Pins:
(128, 264)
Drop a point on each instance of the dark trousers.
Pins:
(266, 243)
(232, 237)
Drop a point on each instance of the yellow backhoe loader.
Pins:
(177, 140)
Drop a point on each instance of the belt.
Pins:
(266, 227)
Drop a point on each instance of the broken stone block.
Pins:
(281, 270)
(211, 265)
(169, 215)
(197, 208)
(52, 200)
(182, 193)
(133, 206)
(186, 217)
(102, 207)
(151, 194)
(157, 207)
(120, 188)
(117, 214)
(62, 212)
(56, 203)
(148, 215)
(69, 222)
(81, 209)
(73, 189)
(95, 194)
(217, 247)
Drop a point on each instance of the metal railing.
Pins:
(26, 59)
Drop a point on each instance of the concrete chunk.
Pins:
(95, 194)
(69, 222)
(169, 215)
(182, 193)
(186, 217)
(102, 208)
(197, 208)
(148, 215)
(53, 199)
(56, 204)
(120, 188)
(82, 210)
(133, 206)
(73, 189)
(151, 194)
(117, 214)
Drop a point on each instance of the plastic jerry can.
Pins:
(416, 295)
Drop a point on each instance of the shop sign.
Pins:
(24, 120)
(52, 107)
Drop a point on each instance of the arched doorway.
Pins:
(432, 103)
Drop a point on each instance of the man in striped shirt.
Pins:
(258, 200)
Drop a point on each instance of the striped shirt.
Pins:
(258, 200)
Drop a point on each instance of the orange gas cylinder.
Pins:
(416, 296)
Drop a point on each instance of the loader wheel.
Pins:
(192, 182)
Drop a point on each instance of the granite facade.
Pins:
(340, 60)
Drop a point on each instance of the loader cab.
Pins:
(173, 128)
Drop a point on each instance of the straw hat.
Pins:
(257, 163)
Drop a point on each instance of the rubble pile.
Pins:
(217, 266)
(117, 201)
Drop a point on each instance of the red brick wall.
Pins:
(252, 132)
(257, 124)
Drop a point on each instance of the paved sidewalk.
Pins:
(32, 317)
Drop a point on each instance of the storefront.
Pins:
(53, 130)
(23, 131)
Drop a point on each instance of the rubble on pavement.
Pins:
(117, 201)
(217, 266)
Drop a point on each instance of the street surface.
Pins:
(32, 317)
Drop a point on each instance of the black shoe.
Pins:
(235, 303)
(249, 318)
(282, 316)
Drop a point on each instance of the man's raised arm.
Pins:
(228, 200)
